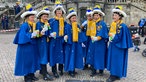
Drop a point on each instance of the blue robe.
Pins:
(97, 50)
(88, 39)
(73, 50)
(43, 44)
(56, 50)
(118, 52)
(27, 56)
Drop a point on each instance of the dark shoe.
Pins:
(85, 67)
(93, 72)
(33, 77)
(100, 73)
(61, 73)
(27, 78)
(47, 77)
(55, 74)
(72, 74)
(112, 79)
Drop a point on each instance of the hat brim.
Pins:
(71, 14)
(43, 12)
(99, 11)
(28, 13)
(89, 13)
(61, 7)
(120, 11)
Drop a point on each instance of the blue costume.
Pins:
(27, 56)
(85, 49)
(73, 50)
(97, 50)
(56, 44)
(43, 44)
(118, 52)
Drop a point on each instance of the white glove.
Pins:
(42, 32)
(65, 38)
(94, 39)
(34, 34)
(84, 23)
(83, 45)
(53, 35)
(45, 28)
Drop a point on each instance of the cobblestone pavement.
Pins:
(136, 66)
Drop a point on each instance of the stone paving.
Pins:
(136, 66)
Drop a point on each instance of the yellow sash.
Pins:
(93, 28)
(61, 25)
(33, 25)
(89, 25)
(113, 27)
(75, 31)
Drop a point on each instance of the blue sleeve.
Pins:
(23, 36)
(103, 31)
(68, 33)
(123, 38)
(82, 36)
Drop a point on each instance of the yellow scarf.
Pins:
(93, 28)
(45, 22)
(75, 31)
(89, 25)
(113, 27)
(33, 25)
(61, 25)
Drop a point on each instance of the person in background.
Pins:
(27, 57)
(6, 21)
(3, 21)
(119, 42)
(141, 25)
(136, 41)
(17, 8)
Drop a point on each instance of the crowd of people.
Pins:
(67, 46)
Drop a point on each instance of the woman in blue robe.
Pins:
(56, 43)
(120, 42)
(86, 25)
(27, 58)
(43, 27)
(97, 48)
(73, 47)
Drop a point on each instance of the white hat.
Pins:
(89, 11)
(71, 12)
(119, 10)
(97, 9)
(57, 6)
(29, 11)
(44, 11)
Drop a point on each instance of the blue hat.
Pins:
(71, 12)
(97, 9)
(89, 11)
(57, 6)
(29, 10)
(44, 11)
(120, 10)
